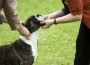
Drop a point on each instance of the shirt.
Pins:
(77, 7)
(65, 10)
(9, 7)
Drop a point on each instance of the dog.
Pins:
(23, 51)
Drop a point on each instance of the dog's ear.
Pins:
(31, 18)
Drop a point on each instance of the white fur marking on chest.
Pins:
(32, 42)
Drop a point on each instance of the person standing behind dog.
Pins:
(11, 15)
(75, 10)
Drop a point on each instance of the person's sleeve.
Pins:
(11, 14)
(75, 6)
(65, 10)
(2, 17)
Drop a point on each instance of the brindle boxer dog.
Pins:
(22, 51)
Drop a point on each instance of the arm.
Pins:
(56, 14)
(75, 11)
(74, 15)
(53, 15)
(13, 18)
(2, 17)
(59, 13)
(64, 19)
(69, 18)
(11, 14)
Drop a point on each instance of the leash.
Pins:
(22, 62)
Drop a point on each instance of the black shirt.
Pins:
(65, 10)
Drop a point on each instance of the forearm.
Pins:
(68, 18)
(56, 14)
(11, 14)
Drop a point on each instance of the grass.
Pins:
(57, 44)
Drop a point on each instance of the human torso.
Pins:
(86, 10)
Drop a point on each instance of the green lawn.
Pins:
(57, 44)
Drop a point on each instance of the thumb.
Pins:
(43, 24)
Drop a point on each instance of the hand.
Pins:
(47, 23)
(24, 31)
(47, 16)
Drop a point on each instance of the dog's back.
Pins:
(17, 53)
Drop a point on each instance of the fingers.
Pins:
(45, 17)
(45, 25)
(42, 23)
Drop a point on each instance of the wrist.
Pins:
(55, 22)
(20, 27)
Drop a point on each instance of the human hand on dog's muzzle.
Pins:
(47, 23)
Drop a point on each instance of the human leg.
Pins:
(82, 46)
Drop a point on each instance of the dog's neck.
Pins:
(32, 42)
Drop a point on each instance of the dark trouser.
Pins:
(82, 56)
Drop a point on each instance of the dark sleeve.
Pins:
(65, 10)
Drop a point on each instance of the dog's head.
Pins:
(33, 23)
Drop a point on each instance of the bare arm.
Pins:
(64, 19)
(55, 14)
(68, 18)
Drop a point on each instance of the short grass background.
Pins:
(56, 45)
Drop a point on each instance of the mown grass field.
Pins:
(56, 45)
